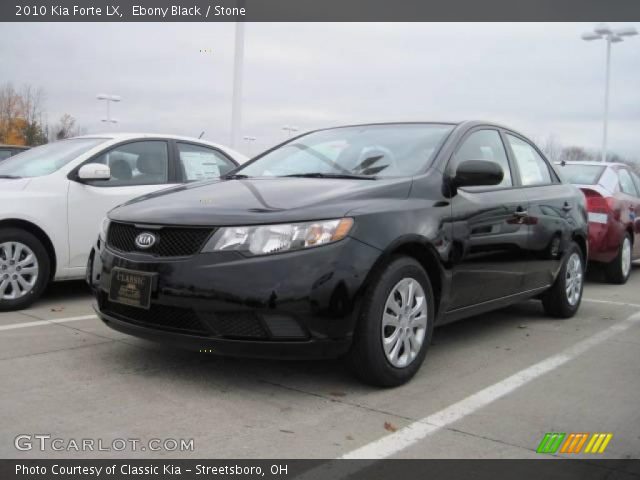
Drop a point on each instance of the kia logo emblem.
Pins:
(145, 240)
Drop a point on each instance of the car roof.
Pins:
(592, 162)
(123, 136)
(119, 136)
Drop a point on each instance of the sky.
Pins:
(538, 78)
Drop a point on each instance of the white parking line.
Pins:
(611, 302)
(14, 326)
(414, 432)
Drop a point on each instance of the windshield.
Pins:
(48, 158)
(368, 151)
(581, 174)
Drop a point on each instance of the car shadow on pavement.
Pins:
(330, 378)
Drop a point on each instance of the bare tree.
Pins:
(574, 153)
(66, 127)
(32, 100)
(552, 148)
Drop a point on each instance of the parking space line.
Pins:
(420, 429)
(611, 302)
(14, 326)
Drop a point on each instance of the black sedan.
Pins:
(351, 241)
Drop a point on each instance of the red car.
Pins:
(612, 191)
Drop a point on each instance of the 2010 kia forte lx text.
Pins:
(351, 241)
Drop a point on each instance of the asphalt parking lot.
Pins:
(491, 387)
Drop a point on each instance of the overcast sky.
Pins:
(541, 79)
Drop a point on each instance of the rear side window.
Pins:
(636, 180)
(626, 182)
(202, 163)
(484, 145)
(533, 168)
(581, 174)
(5, 154)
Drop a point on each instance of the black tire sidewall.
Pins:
(30, 240)
(368, 341)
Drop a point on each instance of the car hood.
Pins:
(13, 184)
(254, 201)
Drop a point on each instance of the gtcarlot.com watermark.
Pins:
(45, 442)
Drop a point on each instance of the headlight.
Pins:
(266, 239)
(104, 226)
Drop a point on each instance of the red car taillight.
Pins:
(596, 203)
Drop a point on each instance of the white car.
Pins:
(53, 198)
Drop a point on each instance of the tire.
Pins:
(558, 301)
(368, 357)
(619, 270)
(20, 272)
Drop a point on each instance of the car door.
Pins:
(552, 206)
(630, 211)
(137, 168)
(488, 233)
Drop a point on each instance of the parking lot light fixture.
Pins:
(249, 140)
(289, 129)
(602, 31)
(108, 99)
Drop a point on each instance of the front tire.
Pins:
(619, 270)
(24, 269)
(563, 299)
(395, 325)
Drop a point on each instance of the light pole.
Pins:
(250, 141)
(109, 99)
(236, 99)
(603, 31)
(289, 129)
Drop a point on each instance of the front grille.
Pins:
(170, 241)
(158, 316)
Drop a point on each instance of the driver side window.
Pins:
(136, 163)
(484, 145)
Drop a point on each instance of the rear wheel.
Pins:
(619, 270)
(395, 325)
(24, 269)
(563, 299)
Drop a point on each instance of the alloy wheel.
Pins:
(573, 279)
(18, 270)
(625, 257)
(404, 322)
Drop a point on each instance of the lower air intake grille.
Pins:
(235, 324)
(158, 316)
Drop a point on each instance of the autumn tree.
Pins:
(21, 115)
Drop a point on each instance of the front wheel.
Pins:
(24, 269)
(619, 270)
(563, 299)
(395, 325)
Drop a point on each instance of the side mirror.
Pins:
(473, 173)
(94, 171)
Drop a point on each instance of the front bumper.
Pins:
(292, 305)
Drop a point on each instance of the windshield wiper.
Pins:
(234, 176)
(332, 175)
(10, 176)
